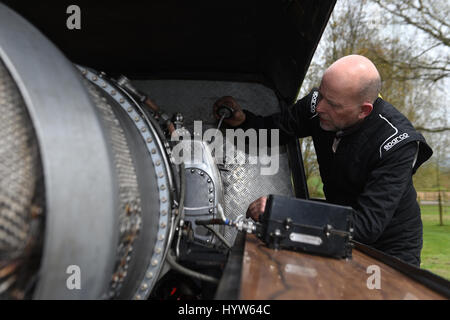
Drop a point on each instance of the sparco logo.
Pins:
(314, 101)
(396, 140)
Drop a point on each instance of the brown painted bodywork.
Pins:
(269, 274)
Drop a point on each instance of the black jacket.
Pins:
(370, 170)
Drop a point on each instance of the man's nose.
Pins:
(320, 107)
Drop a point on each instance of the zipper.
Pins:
(335, 145)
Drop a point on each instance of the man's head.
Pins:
(348, 90)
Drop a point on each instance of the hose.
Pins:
(170, 258)
(181, 204)
(189, 272)
(218, 235)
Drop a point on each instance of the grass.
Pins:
(436, 241)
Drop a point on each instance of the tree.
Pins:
(430, 17)
(428, 60)
(356, 28)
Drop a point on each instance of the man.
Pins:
(367, 153)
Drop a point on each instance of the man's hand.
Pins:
(256, 208)
(238, 115)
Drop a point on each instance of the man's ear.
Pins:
(366, 109)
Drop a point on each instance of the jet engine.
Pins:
(94, 201)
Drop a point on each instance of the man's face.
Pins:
(336, 109)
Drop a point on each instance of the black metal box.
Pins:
(306, 225)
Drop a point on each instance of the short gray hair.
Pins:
(370, 90)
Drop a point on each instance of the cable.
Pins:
(178, 267)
